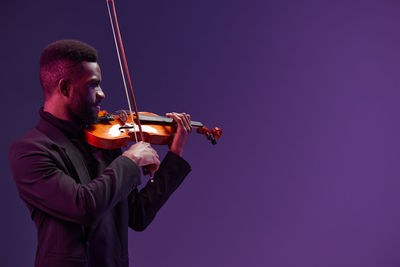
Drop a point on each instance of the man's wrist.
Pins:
(178, 152)
(131, 157)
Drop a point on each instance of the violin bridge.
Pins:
(123, 116)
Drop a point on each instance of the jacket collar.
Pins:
(68, 151)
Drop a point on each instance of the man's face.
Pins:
(86, 93)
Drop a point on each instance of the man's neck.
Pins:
(57, 110)
(69, 128)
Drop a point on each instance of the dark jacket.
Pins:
(82, 221)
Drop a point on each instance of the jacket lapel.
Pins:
(69, 153)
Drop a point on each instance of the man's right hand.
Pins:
(143, 155)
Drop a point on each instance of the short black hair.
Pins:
(58, 59)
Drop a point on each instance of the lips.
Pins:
(97, 108)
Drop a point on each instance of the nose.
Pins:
(100, 94)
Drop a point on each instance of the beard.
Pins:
(83, 112)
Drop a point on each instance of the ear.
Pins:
(64, 87)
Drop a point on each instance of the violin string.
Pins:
(122, 73)
(126, 69)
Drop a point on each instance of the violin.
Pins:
(112, 131)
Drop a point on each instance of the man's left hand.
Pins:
(183, 130)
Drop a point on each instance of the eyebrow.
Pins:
(94, 79)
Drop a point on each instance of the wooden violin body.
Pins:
(114, 131)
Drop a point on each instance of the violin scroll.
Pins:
(212, 135)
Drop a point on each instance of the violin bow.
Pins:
(120, 47)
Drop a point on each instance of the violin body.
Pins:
(115, 131)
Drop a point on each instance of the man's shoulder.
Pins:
(30, 140)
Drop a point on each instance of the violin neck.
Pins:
(144, 119)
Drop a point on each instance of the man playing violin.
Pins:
(82, 199)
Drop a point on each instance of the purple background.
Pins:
(306, 92)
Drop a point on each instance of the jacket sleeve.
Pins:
(144, 204)
(42, 183)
